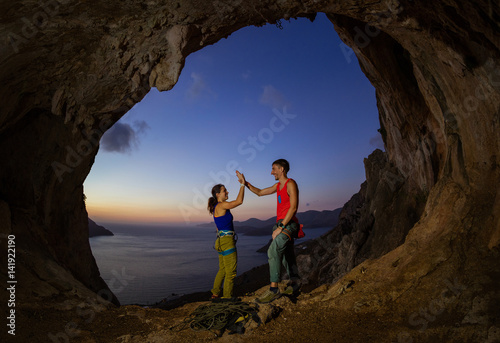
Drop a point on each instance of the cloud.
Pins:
(273, 97)
(377, 141)
(122, 137)
(198, 87)
(141, 126)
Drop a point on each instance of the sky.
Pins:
(240, 104)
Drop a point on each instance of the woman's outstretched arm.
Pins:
(227, 205)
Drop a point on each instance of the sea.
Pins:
(146, 264)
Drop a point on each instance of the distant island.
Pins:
(310, 219)
(98, 230)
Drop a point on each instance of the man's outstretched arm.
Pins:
(261, 192)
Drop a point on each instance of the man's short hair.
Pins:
(283, 163)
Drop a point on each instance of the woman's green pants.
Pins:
(228, 257)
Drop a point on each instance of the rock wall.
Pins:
(71, 69)
(373, 222)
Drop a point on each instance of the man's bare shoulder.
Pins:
(291, 184)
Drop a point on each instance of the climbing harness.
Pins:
(219, 315)
(222, 233)
(227, 252)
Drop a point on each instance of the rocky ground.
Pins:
(330, 313)
(301, 319)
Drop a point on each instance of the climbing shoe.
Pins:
(291, 289)
(268, 296)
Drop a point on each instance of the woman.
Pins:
(225, 244)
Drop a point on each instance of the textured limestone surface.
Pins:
(427, 216)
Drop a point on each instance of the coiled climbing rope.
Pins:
(217, 316)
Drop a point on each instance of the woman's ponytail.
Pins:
(211, 204)
(212, 201)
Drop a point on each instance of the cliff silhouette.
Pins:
(98, 230)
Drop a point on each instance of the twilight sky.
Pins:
(259, 95)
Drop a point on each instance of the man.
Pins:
(284, 232)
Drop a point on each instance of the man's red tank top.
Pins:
(283, 201)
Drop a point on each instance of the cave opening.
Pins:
(296, 91)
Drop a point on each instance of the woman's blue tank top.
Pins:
(224, 222)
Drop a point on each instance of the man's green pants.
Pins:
(281, 251)
(228, 257)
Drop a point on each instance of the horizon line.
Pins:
(178, 223)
